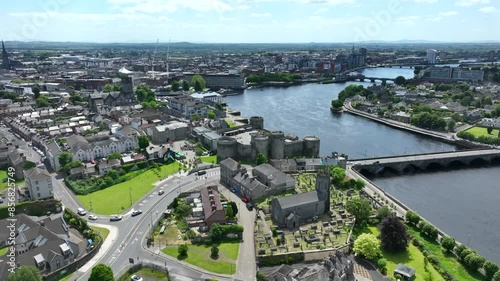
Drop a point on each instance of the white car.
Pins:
(92, 217)
(136, 278)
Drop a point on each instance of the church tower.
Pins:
(323, 187)
(5, 58)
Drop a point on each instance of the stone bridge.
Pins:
(362, 78)
(409, 164)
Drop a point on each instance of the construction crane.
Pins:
(154, 55)
(168, 57)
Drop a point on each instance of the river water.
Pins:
(461, 203)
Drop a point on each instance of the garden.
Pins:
(481, 134)
(126, 193)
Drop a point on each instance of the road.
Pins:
(127, 238)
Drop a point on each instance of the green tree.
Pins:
(112, 173)
(198, 82)
(360, 208)
(65, 158)
(75, 99)
(144, 94)
(196, 117)
(25, 273)
(338, 175)
(430, 231)
(337, 104)
(465, 253)
(489, 130)
(115, 155)
(36, 92)
(214, 251)
(229, 212)
(234, 207)
(108, 88)
(496, 276)
(182, 250)
(448, 243)
(368, 246)
(459, 249)
(261, 276)
(42, 101)
(101, 272)
(215, 232)
(400, 80)
(384, 212)
(143, 142)
(28, 165)
(198, 151)
(211, 114)
(451, 125)
(412, 217)
(261, 159)
(175, 86)
(393, 235)
(474, 261)
(185, 85)
(219, 106)
(490, 269)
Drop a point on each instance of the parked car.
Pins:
(161, 192)
(244, 199)
(115, 218)
(249, 206)
(136, 212)
(136, 278)
(1, 200)
(81, 212)
(200, 173)
(92, 217)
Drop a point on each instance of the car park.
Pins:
(160, 192)
(115, 218)
(92, 217)
(136, 212)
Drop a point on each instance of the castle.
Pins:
(245, 146)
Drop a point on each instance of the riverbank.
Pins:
(445, 137)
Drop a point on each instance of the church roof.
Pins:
(298, 199)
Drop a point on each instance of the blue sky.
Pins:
(249, 21)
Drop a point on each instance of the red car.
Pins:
(244, 199)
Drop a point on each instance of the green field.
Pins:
(149, 273)
(4, 185)
(199, 255)
(230, 123)
(116, 199)
(103, 231)
(3, 251)
(209, 159)
(412, 257)
(482, 131)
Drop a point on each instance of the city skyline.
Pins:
(241, 21)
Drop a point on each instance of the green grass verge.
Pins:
(146, 273)
(66, 278)
(482, 131)
(116, 199)
(199, 255)
(448, 260)
(103, 231)
(3, 251)
(4, 185)
(230, 123)
(209, 159)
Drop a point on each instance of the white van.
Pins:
(81, 212)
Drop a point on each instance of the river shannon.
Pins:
(461, 203)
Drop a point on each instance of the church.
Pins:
(291, 211)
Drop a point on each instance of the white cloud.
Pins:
(489, 10)
(425, 1)
(260, 15)
(331, 2)
(161, 6)
(466, 3)
(408, 19)
(448, 14)
(316, 18)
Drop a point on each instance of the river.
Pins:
(461, 203)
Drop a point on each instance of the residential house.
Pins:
(212, 207)
(17, 159)
(104, 166)
(38, 183)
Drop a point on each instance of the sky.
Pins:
(249, 21)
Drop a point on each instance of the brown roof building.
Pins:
(212, 207)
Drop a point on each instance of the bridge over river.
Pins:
(408, 164)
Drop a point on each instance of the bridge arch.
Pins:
(479, 162)
(387, 171)
(495, 160)
(434, 166)
(457, 164)
(410, 169)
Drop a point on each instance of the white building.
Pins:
(85, 151)
(431, 56)
(39, 183)
(215, 97)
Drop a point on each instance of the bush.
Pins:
(182, 250)
(261, 276)
(214, 251)
(459, 249)
(398, 276)
(496, 276)
(433, 259)
(490, 269)
(465, 253)
(430, 231)
(412, 217)
(474, 261)
(448, 243)
(381, 263)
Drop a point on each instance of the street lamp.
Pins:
(468, 241)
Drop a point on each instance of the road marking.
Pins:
(111, 260)
(140, 204)
(151, 195)
(144, 201)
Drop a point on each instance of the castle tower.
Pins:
(5, 58)
(323, 187)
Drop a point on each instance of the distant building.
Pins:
(449, 74)
(5, 58)
(220, 80)
(431, 56)
(39, 183)
(211, 96)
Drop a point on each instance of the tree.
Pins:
(489, 130)
(229, 212)
(400, 80)
(451, 125)
(28, 165)
(143, 142)
(459, 249)
(175, 86)
(448, 243)
(368, 246)
(196, 117)
(211, 114)
(198, 82)
(393, 234)
(360, 208)
(25, 273)
(182, 250)
(234, 207)
(36, 92)
(101, 272)
(261, 276)
(412, 218)
(198, 151)
(496, 276)
(65, 158)
(214, 251)
(144, 94)
(115, 155)
(215, 232)
(384, 212)
(185, 85)
(108, 88)
(338, 175)
(219, 106)
(337, 104)
(474, 261)
(490, 269)
(42, 101)
(465, 253)
(261, 159)
(430, 231)
(75, 98)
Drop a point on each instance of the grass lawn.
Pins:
(199, 255)
(4, 185)
(209, 159)
(230, 123)
(120, 193)
(103, 231)
(482, 131)
(150, 273)
(66, 278)
(447, 260)
(3, 251)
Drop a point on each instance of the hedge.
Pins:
(33, 208)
